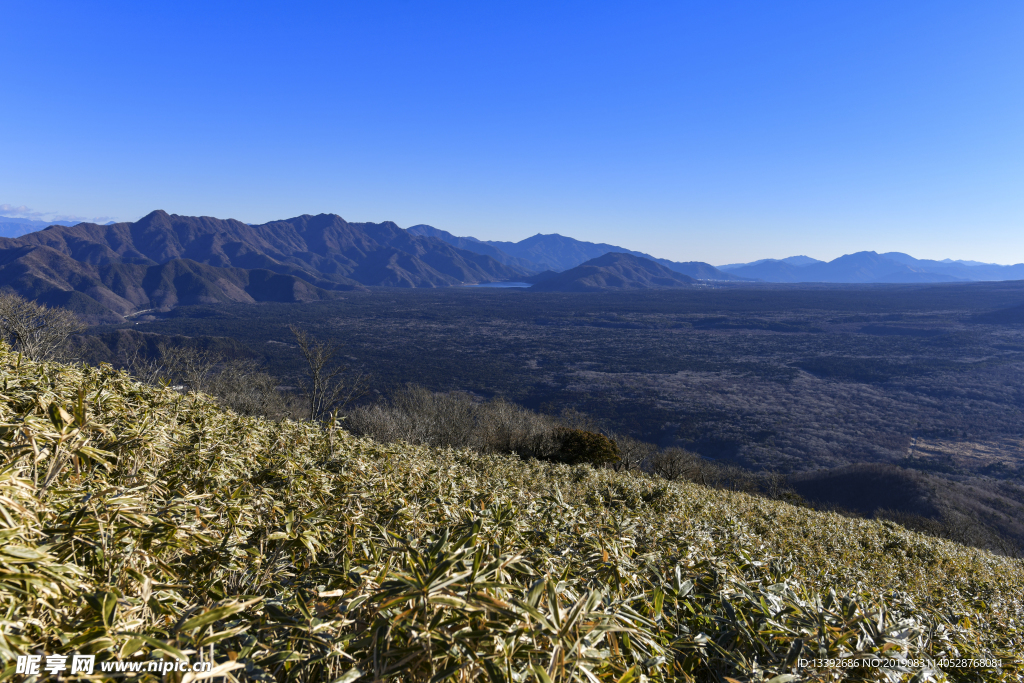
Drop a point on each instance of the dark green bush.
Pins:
(578, 446)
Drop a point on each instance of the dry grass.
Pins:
(136, 522)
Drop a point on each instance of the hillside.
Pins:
(474, 245)
(558, 253)
(89, 266)
(613, 271)
(153, 524)
(1013, 315)
(108, 292)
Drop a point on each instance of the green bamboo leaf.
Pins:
(216, 614)
(628, 676)
(22, 553)
(130, 647)
(161, 646)
(349, 676)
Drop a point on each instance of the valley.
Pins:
(787, 378)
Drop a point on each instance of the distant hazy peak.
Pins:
(12, 226)
(968, 263)
(910, 260)
(800, 260)
(791, 260)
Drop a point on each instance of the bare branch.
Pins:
(36, 331)
(329, 386)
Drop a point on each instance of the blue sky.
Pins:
(710, 131)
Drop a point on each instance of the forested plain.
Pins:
(802, 380)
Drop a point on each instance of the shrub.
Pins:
(676, 463)
(239, 384)
(578, 446)
(454, 419)
(242, 386)
(633, 453)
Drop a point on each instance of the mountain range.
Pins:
(162, 260)
(869, 267)
(107, 272)
(792, 260)
(558, 253)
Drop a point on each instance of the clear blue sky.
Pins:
(711, 131)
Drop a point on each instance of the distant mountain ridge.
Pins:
(871, 267)
(474, 245)
(963, 270)
(558, 253)
(162, 260)
(613, 271)
(791, 260)
(16, 227)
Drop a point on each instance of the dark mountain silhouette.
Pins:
(474, 245)
(322, 249)
(540, 277)
(558, 253)
(164, 260)
(862, 267)
(113, 290)
(614, 271)
(555, 252)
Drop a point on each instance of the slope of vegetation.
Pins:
(138, 523)
(777, 379)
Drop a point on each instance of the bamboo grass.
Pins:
(140, 523)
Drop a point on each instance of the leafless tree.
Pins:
(676, 463)
(243, 386)
(193, 368)
(634, 454)
(329, 385)
(38, 332)
(505, 427)
(442, 419)
(132, 356)
(455, 419)
(240, 384)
